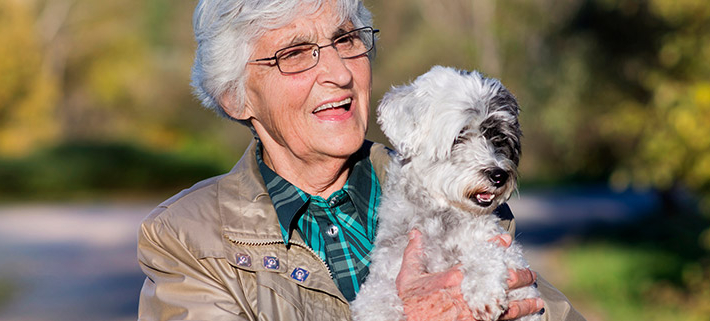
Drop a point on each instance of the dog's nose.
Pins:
(497, 176)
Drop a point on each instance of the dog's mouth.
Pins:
(484, 199)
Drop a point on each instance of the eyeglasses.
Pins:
(299, 58)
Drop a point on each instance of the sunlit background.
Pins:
(98, 125)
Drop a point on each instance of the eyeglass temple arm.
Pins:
(263, 59)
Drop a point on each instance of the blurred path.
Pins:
(78, 262)
(71, 262)
(547, 219)
(548, 216)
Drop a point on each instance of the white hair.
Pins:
(226, 31)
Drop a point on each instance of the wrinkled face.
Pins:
(320, 112)
(458, 136)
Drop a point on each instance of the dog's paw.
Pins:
(489, 311)
(487, 300)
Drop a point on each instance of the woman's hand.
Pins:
(518, 279)
(429, 296)
(437, 296)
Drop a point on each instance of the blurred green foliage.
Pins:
(77, 70)
(79, 169)
(654, 269)
(614, 91)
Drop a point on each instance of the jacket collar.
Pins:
(243, 191)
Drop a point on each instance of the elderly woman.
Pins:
(286, 234)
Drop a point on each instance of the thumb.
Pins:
(412, 260)
(504, 240)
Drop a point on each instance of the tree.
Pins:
(28, 91)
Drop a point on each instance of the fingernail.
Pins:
(539, 304)
(508, 239)
(511, 275)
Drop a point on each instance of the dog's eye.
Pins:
(502, 144)
(507, 146)
(458, 140)
(461, 138)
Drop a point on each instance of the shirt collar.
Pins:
(361, 183)
(290, 201)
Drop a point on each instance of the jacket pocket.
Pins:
(277, 298)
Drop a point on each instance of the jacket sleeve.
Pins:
(178, 285)
(557, 307)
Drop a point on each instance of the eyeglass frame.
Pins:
(318, 48)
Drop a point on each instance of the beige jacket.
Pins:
(215, 252)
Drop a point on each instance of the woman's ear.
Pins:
(233, 108)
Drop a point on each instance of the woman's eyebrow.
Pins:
(341, 31)
(299, 39)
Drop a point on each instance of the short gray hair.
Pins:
(226, 31)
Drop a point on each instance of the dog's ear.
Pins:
(425, 118)
(501, 127)
(396, 119)
(416, 118)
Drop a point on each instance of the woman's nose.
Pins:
(333, 69)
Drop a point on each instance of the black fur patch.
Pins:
(504, 132)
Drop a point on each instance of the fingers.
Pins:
(412, 265)
(504, 240)
(450, 278)
(413, 278)
(521, 278)
(518, 309)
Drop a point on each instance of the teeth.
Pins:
(485, 198)
(334, 104)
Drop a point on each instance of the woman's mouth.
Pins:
(334, 108)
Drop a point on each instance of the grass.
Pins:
(652, 270)
(7, 290)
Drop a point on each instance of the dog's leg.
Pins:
(484, 286)
(485, 273)
(378, 298)
(515, 260)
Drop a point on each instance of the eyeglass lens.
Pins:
(303, 57)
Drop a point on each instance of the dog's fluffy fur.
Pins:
(457, 139)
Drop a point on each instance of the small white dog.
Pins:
(458, 142)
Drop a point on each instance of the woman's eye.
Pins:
(294, 53)
(346, 40)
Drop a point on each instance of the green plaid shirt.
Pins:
(340, 229)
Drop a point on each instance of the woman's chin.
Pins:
(342, 146)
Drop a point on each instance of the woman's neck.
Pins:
(315, 175)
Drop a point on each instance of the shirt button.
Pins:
(332, 231)
(332, 202)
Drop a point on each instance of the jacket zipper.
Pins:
(327, 268)
(302, 245)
